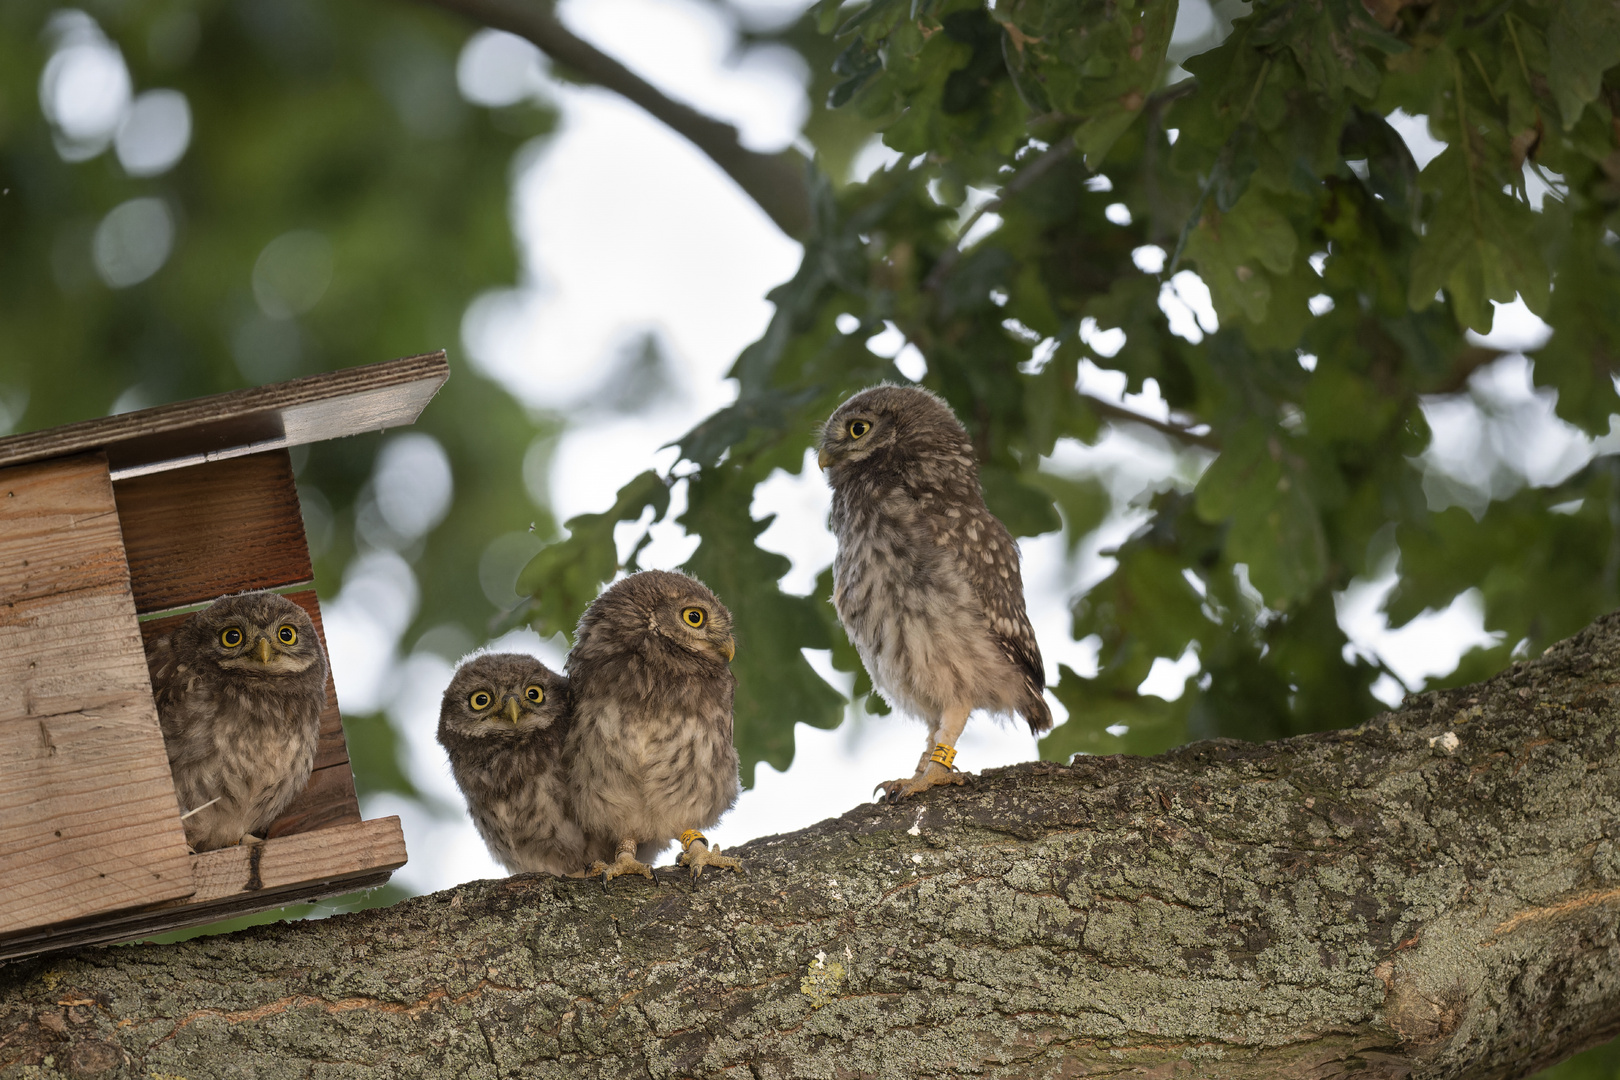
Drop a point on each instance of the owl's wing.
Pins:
(168, 681)
(991, 565)
(161, 663)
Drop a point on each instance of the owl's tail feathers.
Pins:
(1035, 710)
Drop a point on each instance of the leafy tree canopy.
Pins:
(1345, 279)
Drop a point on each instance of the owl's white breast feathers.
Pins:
(647, 774)
(905, 592)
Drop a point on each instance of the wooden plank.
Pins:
(222, 426)
(328, 800)
(290, 870)
(192, 535)
(290, 861)
(330, 797)
(88, 817)
(56, 533)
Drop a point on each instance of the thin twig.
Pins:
(1055, 153)
(777, 182)
(1118, 412)
(1463, 367)
(1032, 172)
(1172, 93)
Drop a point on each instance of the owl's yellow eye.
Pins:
(693, 617)
(535, 694)
(857, 428)
(480, 700)
(287, 635)
(231, 638)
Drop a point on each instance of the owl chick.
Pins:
(240, 687)
(651, 739)
(926, 580)
(503, 722)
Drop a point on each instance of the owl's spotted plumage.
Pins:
(503, 722)
(240, 687)
(926, 580)
(651, 751)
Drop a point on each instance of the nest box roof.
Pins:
(306, 410)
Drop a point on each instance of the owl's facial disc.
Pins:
(507, 716)
(495, 711)
(701, 632)
(256, 653)
(847, 437)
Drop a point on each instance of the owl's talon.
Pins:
(934, 776)
(698, 854)
(624, 864)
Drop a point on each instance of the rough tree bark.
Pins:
(1433, 894)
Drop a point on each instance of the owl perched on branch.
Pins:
(503, 722)
(651, 751)
(926, 580)
(240, 687)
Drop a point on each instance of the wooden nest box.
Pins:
(105, 526)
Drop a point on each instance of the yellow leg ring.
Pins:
(690, 835)
(943, 755)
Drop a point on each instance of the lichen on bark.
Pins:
(1434, 894)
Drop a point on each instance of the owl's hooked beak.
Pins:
(822, 459)
(263, 650)
(511, 709)
(729, 647)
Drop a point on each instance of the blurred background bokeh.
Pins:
(202, 195)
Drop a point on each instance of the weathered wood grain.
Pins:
(248, 878)
(221, 426)
(57, 522)
(88, 818)
(194, 534)
(330, 797)
(329, 854)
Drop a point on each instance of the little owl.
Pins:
(240, 687)
(651, 739)
(926, 580)
(503, 722)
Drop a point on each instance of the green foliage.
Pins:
(1582, 44)
(382, 896)
(776, 686)
(1344, 278)
(566, 576)
(341, 121)
(1599, 1063)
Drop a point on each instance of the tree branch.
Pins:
(1027, 176)
(1433, 895)
(1176, 431)
(1463, 366)
(776, 182)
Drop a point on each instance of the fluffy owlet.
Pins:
(240, 687)
(651, 740)
(503, 722)
(926, 581)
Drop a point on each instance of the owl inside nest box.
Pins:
(139, 534)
